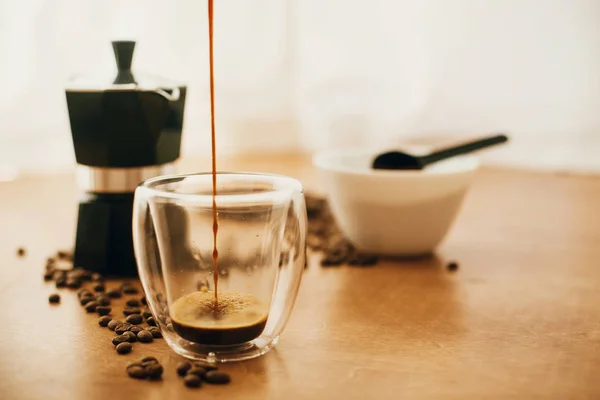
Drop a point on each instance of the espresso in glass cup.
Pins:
(261, 254)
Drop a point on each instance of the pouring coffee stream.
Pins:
(397, 160)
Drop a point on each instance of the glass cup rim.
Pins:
(283, 184)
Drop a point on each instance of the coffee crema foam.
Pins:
(234, 309)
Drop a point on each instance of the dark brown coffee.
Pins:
(238, 317)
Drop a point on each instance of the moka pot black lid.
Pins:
(125, 119)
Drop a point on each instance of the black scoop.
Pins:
(404, 161)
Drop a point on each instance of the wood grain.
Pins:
(520, 319)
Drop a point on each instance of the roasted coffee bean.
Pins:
(86, 276)
(60, 274)
(124, 348)
(21, 251)
(120, 339)
(73, 283)
(192, 381)
(154, 371)
(155, 331)
(136, 329)
(130, 290)
(103, 310)
(84, 292)
(137, 372)
(144, 301)
(122, 328)
(199, 371)
(131, 310)
(131, 337)
(86, 299)
(148, 359)
(103, 300)
(145, 337)
(54, 298)
(133, 303)
(332, 261)
(217, 377)
(99, 288)
(96, 277)
(150, 321)
(61, 283)
(48, 276)
(183, 368)
(146, 314)
(114, 293)
(206, 365)
(63, 254)
(452, 266)
(103, 321)
(362, 260)
(112, 325)
(134, 319)
(91, 306)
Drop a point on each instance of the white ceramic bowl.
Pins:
(397, 213)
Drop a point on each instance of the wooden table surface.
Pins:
(520, 319)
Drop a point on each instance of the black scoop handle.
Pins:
(463, 149)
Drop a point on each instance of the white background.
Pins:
(311, 74)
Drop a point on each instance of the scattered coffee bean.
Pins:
(122, 328)
(192, 381)
(112, 325)
(134, 319)
(61, 283)
(99, 288)
(131, 337)
(84, 292)
(124, 348)
(114, 293)
(206, 365)
(150, 321)
(96, 277)
(63, 254)
(119, 339)
(54, 298)
(217, 377)
(86, 299)
(198, 371)
(136, 329)
(131, 310)
(86, 276)
(130, 290)
(48, 276)
(137, 372)
(103, 300)
(91, 306)
(146, 314)
(103, 321)
(133, 303)
(183, 368)
(452, 266)
(154, 371)
(103, 310)
(21, 251)
(149, 359)
(145, 337)
(362, 260)
(60, 275)
(155, 331)
(144, 301)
